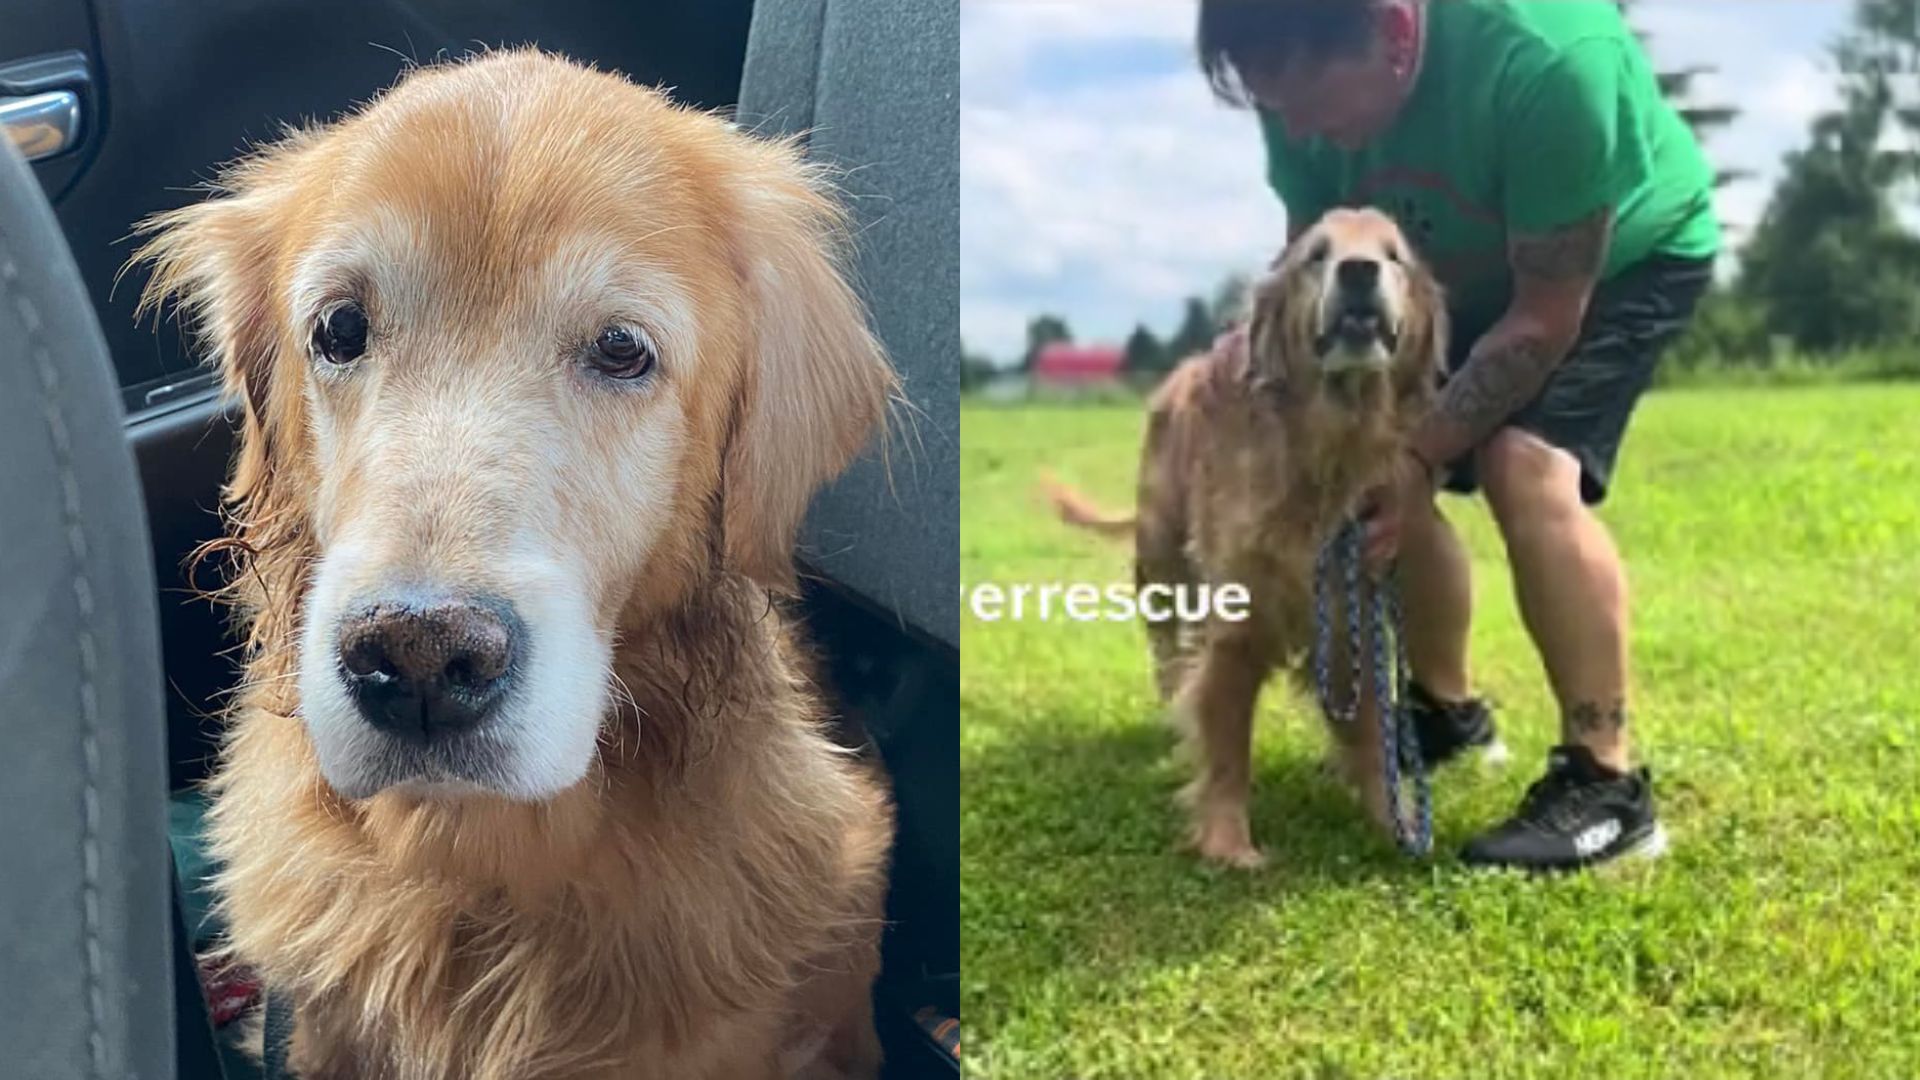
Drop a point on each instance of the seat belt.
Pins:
(196, 1051)
(279, 1035)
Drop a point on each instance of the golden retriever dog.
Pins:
(1254, 454)
(527, 776)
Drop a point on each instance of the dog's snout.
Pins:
(427, 671)
(1358, 276)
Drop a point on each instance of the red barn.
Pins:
(1064, 364)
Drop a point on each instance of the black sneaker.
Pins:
(1579, 814)
(1448, 728)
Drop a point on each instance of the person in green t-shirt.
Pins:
(1527, 151)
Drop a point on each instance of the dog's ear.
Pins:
(1425, 360)
(214, 259)
(218, 261)
(815, 384)
(1274, 359)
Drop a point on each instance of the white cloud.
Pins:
(1127, 195)
(1025, 21)
(1110, 201)
(1804, 87)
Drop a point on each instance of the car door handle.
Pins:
(41, 125)
(43, 100)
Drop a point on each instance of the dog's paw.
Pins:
(1226, 843)
(1238, 857)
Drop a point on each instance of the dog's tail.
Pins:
(1078, 510)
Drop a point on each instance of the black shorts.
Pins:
(1584, 406)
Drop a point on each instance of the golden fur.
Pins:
(1253, 454)
(705, 901)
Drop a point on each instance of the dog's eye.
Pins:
(1318, 254)
(618, 353)
(1393, 255)
(341, 336)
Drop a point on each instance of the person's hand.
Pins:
(1386, 507)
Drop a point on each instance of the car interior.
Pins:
(114, 444)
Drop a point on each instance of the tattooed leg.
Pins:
(1570, 584)
(1567, 573)
(1586, 718)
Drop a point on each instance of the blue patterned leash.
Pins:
(1341, 557)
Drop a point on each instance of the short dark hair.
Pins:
(1236, 36)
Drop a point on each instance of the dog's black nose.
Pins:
(1358, 275)
(426, 671)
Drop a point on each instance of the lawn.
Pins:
(1773, 540)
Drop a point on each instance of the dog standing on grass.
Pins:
(1255, 453)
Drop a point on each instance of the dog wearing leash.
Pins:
(1255, 454)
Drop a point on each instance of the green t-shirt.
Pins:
(1528, 115)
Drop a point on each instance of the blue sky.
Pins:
(1100, 180)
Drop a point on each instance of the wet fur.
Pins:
(1252, 456)
(707, 902)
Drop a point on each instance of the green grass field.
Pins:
(1773, 540)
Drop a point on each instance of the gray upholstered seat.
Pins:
(874, 81)
(85, 970)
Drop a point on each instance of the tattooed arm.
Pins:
(1553, 278)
